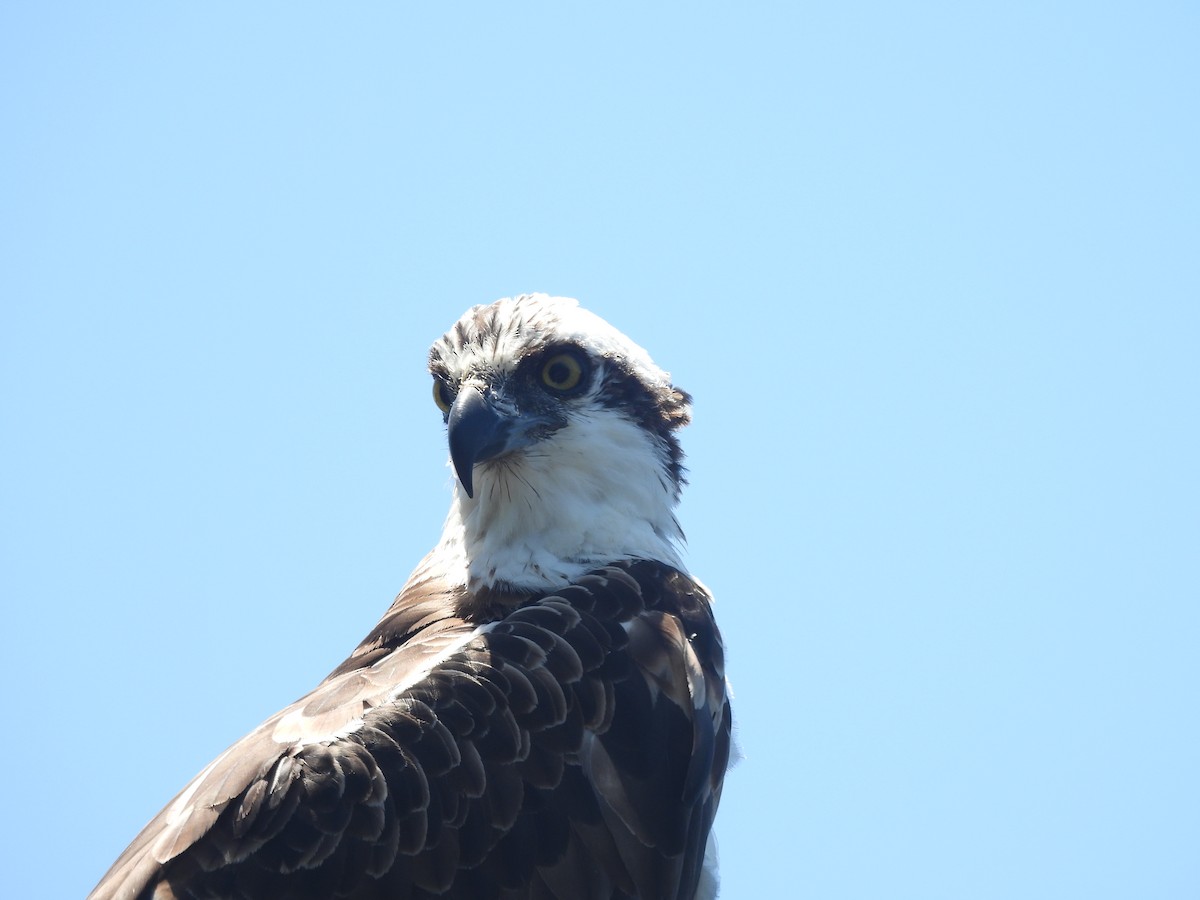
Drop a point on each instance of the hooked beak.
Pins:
(477, 433)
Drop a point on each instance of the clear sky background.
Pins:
(931, 271)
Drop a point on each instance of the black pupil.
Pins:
(558, 373)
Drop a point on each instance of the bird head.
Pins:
(562, 435)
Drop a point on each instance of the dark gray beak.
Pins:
(477, 433)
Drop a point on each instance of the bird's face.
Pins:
(512, 377)
(493, 413)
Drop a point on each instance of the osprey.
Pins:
(541, 713)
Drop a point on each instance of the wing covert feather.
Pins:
(572, 747)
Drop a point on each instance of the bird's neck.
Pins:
(541, 518)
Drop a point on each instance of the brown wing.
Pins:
(574, 748)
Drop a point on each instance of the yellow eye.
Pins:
(562, 372)
(443, 396)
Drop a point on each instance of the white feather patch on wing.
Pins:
(353, 693)
(300, 728)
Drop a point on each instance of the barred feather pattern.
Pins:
(571, 744)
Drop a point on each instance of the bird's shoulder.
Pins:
(464, 753)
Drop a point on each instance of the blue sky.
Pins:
(929, 271)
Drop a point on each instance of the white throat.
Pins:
(594, 492)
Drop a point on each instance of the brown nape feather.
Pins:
(574, 748)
